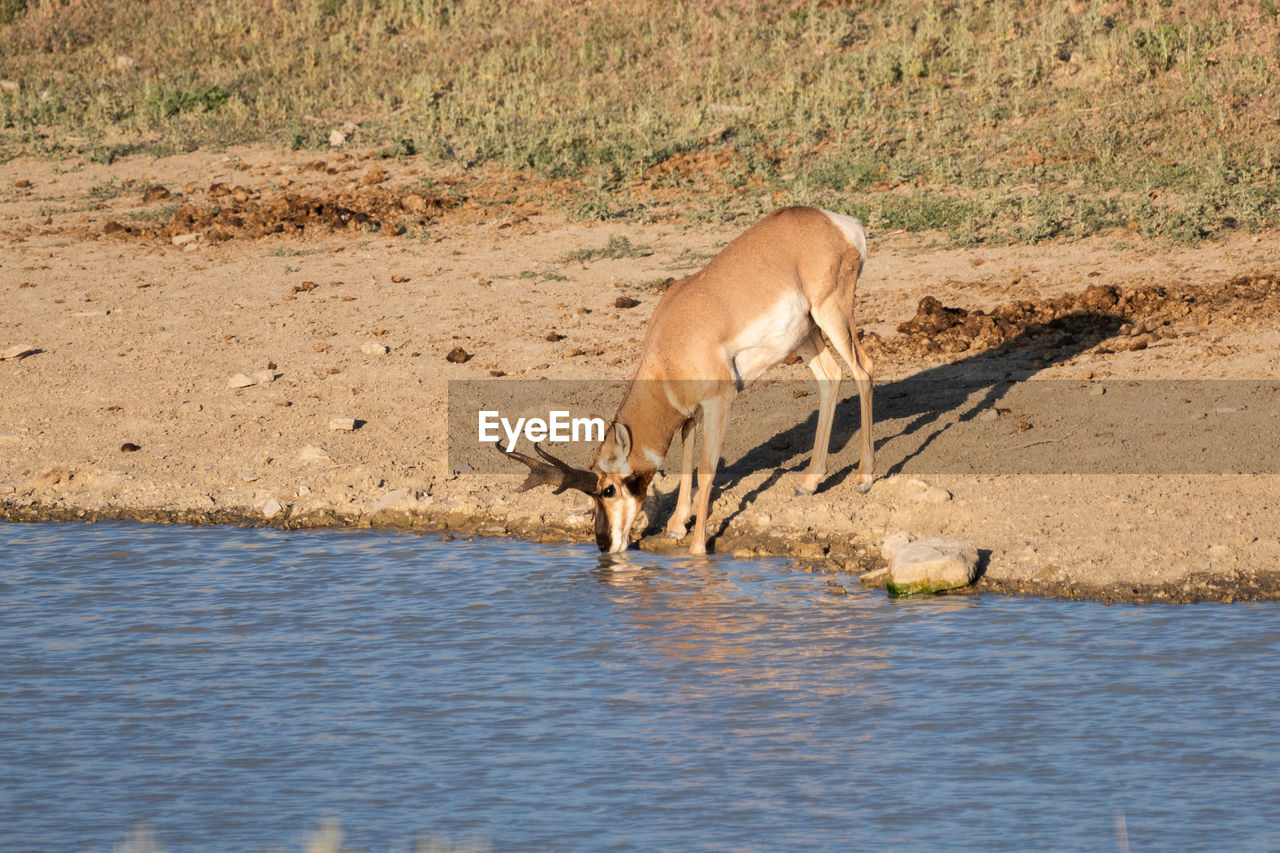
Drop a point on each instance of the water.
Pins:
(235, 688)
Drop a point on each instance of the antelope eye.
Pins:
(608, 491)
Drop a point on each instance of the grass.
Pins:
(989, 122)
(617, 247)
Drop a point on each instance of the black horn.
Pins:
(558, 474)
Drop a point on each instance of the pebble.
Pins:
(930, 494)
(18, 351)
(389, 500)
(185, 239)
(264, 377)
(337, 139)
(154, 193)
(934, 564)
(457, 355)
(272, 508)
(241, 380)
(342, 422)
(987, 415)
(312, 453)
(372, 348)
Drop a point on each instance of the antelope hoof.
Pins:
(803, 491)
(677, 532)
(863, 488)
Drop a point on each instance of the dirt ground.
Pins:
(134, 296)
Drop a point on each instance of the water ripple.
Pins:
(235, 687)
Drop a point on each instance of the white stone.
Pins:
(342, 423)
(271, 508)
(312, 453)
(372, 348)
(389, 500)
(17, 351)
(337, 139)
(185, 239)
(264, 377)
(240, 380)
(933, 495)
(895, 543)
(932, 565)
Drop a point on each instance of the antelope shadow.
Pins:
(928, 403)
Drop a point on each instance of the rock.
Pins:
(271, 508)
(375, 175)
(18, 351)
(457, 355)
(337, 139)
(241, 380)
(875, 577)
(312, 453)
(625, 302)
(372, 348)
(185, 239)
(988, 415)
(389, 500)
(895, 543)
(933, 495)
(264, 377)
(343, 423)
(932, 565)
(155, 193)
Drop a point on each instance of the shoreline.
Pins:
(844, 568)
(300, 377)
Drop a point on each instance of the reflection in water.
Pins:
(235, 688)
(713, 610)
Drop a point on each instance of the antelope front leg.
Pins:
(715, 423)
(678, 525)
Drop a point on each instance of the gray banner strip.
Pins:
(922, 426)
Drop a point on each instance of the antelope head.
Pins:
(617, 489)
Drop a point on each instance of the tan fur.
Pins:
(766, 295)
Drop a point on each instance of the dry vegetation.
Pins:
(992, 122)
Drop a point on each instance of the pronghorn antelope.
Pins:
(774, 290)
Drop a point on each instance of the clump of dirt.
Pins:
(1142, 315)
(244, 214)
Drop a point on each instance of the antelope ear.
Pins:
(623, 432)
(615, 449)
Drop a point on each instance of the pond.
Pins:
(235, 688)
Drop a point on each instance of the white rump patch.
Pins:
(852, 230)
